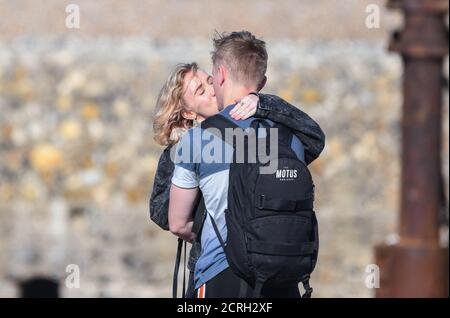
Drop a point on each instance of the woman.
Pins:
(174, 116)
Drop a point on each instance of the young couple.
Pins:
(190, 96)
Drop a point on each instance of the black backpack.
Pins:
(272, 239)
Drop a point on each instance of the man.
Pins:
(239, 66)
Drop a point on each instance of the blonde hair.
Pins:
(169, 123)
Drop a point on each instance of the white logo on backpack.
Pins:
(286, 174)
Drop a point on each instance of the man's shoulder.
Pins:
(187, 137)
(224, 113)
(197, 138)
(242, 123)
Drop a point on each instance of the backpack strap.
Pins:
(176, 269)
(270, 203)
(305, 279)
(264, 247)
(307, 287)
(285, 135)
(199, 217)
(259, 284)
(219, 237)
(316, 240)
(243, 287)
(219, 122)
(260, 280)
(183, 292)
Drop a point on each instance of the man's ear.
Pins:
(222, 72)
(188, 114)
(262, 83)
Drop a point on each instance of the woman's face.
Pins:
(199, 95)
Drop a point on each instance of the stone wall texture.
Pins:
(77, 156)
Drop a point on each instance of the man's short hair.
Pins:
(243, 54)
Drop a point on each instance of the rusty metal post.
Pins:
(417, 266)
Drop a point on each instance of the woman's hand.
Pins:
(245, 108)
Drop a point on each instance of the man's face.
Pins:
(199, 94)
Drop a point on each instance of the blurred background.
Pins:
(77, 156)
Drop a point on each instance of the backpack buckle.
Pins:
(261, 201)
(307, 293)
(307, 287)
